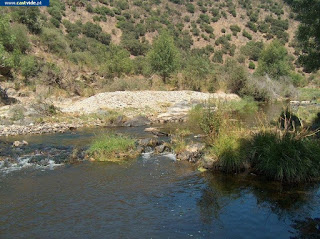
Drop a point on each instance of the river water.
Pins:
(150, 197)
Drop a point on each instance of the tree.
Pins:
(274, 61)
(309, 32)
(164, 56)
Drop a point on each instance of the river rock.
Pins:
(192, 153)
(155, 131)
(162, 148)
(208, 162)
(151, 142)
(18, 143)
(137, 121)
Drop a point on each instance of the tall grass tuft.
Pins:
(285, 157)
(284, 153)
(111, 148)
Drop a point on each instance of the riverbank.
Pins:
(121, 108)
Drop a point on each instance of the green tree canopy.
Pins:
(309, 32)
(164, 56)
(274, 61)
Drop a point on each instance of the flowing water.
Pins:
(150, 197)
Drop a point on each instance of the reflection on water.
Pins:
(154, 197)
(150, 197)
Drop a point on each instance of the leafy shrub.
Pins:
(7, 39)
(29, 66)
(252, 49)
(73, 29)
(55, 41)
(30, 16)
(186, 19)
(91, 30)
(252, 65)
(246, 34)
(252, 26)
(190, 7)
(133, 44)
(298, 80)
(218, 57)
(55, 22)
(118, 62)
(234, 75)
(274, 61)
(235, 29)
(205, 18)
(196, 71)
(21, 38)
(104, 38)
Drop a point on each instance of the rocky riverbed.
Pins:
(134, 108)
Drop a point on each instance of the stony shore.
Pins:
(135, 107)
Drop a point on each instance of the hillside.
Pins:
(84, 47)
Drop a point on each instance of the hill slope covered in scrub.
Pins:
(83, 47)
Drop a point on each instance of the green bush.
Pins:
(198, 68)
(73, 29)
(235, 29)
(218, 57)
(133, 44)
(252, 49)
(29, 66)
(274, 61)
(246, 34)
(91, 30)
(7, 39)
(104, 38)
(205, 18)
(298, 80)
(252, 26)
(252, 65)
(234, 75)
(30, 16)
(190, 7)
(55, 41)
(118, 62)
(55, 22)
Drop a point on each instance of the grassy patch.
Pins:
(309, 94)
(112, 148)
(244, 106)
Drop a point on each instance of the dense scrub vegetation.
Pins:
(185, 43)
(286, 151)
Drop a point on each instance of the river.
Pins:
(150, 197)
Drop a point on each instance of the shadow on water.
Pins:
(297, 205)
